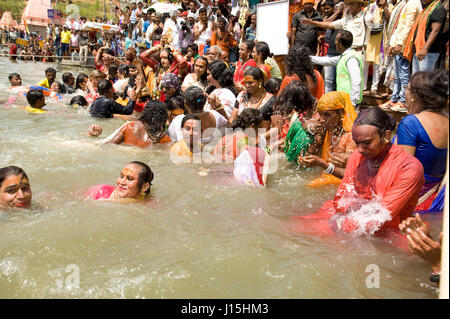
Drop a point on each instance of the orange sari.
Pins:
(397, 185)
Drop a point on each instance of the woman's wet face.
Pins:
(128, 182)
(164, 56)
(368, 141)
(15, 192)
(55, 87)
(331, 119)
(200, 67)
(251, 84)
(191, 131)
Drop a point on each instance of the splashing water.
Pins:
(367, 215)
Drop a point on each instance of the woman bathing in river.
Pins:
(133, 184)
(15, 190)
(377, 171)
(147, 130)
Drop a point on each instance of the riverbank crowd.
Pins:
(196, 78)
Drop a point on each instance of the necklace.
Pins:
(258, 102)
(335, 140)
(375, 163)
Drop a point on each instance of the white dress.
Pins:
(227, 99)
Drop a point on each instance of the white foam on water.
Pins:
(369, 217)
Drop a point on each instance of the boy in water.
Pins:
(36, 99)
(50, 76)
(15, 79)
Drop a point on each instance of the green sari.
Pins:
(297, 142)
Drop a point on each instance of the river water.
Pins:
(203, 239)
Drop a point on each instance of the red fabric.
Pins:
(139, 107)
(240, 69)
(13, 49)
(320, 86)
(397, 183)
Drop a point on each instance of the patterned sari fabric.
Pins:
(342, 144)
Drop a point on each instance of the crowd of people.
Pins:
(199, 79)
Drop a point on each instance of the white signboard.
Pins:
(272, 26)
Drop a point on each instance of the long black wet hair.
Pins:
(295, 96)
(195, 99)
(430, 89)
(247, 118)
(145, 175)
(376, 117)
(154, 117)
(7, 171)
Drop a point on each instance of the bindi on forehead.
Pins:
(127, 171)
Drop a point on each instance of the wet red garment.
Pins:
(398, 184)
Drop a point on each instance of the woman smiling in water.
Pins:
(15, 190)
(133, 184)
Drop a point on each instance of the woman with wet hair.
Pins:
(147, 130)
(15, 189)
(133, 184)
(381, 182)
(245, 133)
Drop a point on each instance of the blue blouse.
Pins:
(411, 132)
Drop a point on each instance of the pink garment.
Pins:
(100, 192)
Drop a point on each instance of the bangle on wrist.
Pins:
(330, 169)
(309, 129)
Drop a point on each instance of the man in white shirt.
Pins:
(171, 24)
(203, 29)
(349, 67)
